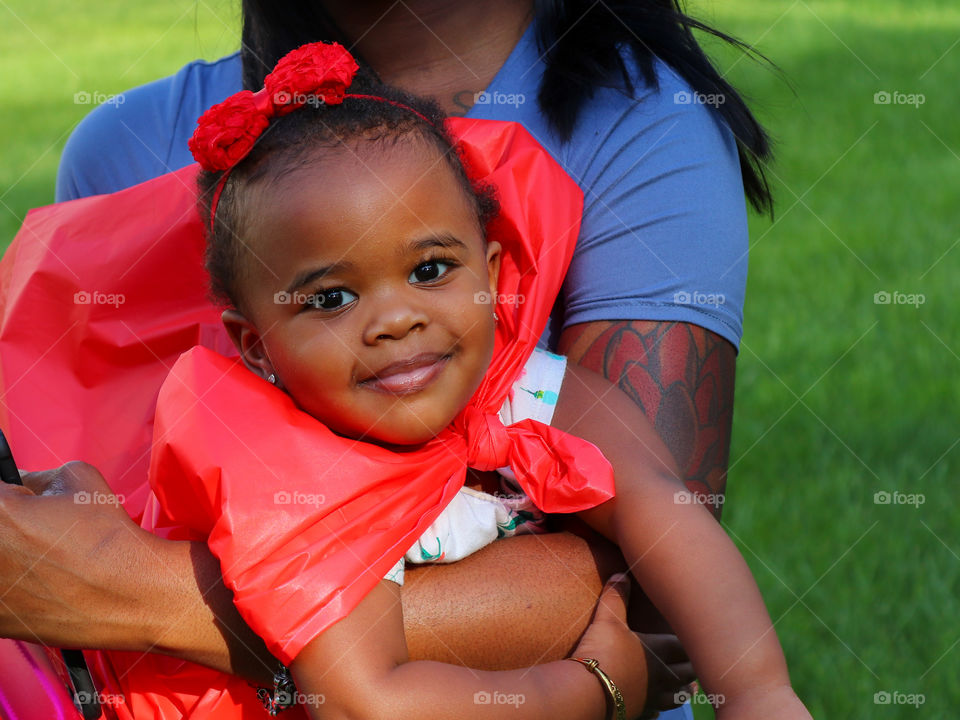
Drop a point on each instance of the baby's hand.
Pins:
(618, 650)
(780, 703)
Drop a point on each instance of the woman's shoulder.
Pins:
(664, 230)
(648, 117)
(143, 132)
(616, 117)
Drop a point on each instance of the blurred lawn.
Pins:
(838, 397)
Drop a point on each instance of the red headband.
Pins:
(316, 73)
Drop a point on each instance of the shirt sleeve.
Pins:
(664, 233)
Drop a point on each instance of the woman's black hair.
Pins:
(296, 140)
(581, 42)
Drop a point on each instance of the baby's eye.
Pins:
(430, 270)
(329, 299)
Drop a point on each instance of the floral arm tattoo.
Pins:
(682, 377)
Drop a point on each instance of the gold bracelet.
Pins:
(620, 710)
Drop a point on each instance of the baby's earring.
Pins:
(272, 379)
(495, 317)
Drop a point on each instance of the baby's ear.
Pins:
(246, 338)
(493, 264)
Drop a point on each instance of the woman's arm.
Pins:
(360, 669)
(677, 552)
(79, 573)
(681, 377)
(84, 575)
(517, 602)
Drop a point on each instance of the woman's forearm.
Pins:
(518, 602)
(83, 575)
(195, 619)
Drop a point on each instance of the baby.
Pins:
(349, 244)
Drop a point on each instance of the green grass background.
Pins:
(838, 398)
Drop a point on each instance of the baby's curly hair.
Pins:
(291, 142)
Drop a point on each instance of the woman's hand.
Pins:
(618, 650)
(65, 540)
(779, 702)
(78, 572)
(653, 668)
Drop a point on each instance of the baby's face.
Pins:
(363, 295)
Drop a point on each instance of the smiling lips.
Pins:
(406, 377)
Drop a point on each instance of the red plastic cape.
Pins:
(102, 295)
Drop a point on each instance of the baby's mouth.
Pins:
(407, 376)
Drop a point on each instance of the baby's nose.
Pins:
(394, 319)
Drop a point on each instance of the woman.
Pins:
(653, 299)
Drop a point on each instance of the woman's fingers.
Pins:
(671, 672)
(64, 537)
(71, 478)
(614, 599)
(665, 647)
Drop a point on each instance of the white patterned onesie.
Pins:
(473, 518)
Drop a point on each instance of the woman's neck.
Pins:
(436, 48)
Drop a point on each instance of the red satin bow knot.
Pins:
(313, 73)
(488, 441)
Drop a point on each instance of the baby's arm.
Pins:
(680, 555)
(359, 669)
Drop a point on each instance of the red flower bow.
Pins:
(313, 73)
